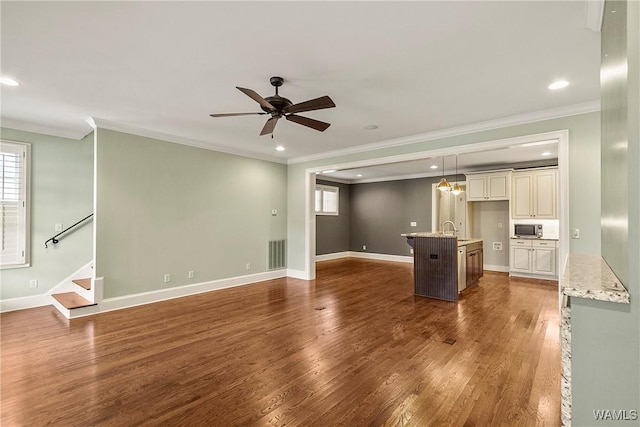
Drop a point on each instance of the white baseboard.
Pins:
(381, 257)
(500, 268)
(118, 303)
(23, 303)
(335, 255)
(297, 274)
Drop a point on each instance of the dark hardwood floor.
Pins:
(355, 347)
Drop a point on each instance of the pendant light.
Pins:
(457, 188)
(443, 185)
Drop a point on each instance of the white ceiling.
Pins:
(410, 68)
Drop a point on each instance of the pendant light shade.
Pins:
(457, 189)
(443, 185)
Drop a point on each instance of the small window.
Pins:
(327, 200)
(14, 163)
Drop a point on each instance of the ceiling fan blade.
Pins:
(305, 121)
(269, 126)
(234, 114)
(253, 95)
(313, 104)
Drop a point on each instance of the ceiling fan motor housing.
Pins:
(278, 102)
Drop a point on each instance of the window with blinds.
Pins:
(14, 158)
(327, 198)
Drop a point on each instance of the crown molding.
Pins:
(536, 116)
(69, 133)
(97, 123)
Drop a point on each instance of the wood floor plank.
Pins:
(264, 355)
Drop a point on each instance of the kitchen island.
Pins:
(444, 265)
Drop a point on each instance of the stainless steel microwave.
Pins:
(527, 230)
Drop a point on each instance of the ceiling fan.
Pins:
(279, 107)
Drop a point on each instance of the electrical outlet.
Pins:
(413, 224)
(33, 283)
(247, 266)
(576, 233)
(190, 274)
(499, 225)
(57, 227)
(497, 246)
(364, 247)
(411, 251)
(167, 278)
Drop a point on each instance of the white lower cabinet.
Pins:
(533, 257)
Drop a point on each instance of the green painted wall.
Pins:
(606, 336)
(584, 166)
(164, 208)
(61, 193)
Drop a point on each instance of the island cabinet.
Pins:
(437, 264)
(475, 269)
(435, 267)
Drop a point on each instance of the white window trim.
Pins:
(26, 217)
(332, 189)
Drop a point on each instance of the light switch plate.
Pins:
(576, 233)
(57, 227)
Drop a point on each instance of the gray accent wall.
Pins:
(61, 193)
(332, 231)
(381, 211)
(606, 336)
(165, 208)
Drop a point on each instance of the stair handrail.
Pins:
(54, 239)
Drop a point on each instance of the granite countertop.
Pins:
(589, 276)
(464, 242)
(428, 234)
(461, 241)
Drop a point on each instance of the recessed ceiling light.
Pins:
(280, 148)
(370, 127)
(329, 171)
(359, 175)
(546, 153)
(434, 166)
(559, 84)
(8, 81)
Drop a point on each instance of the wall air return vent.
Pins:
(277, 254)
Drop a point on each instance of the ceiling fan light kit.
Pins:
(278, 107)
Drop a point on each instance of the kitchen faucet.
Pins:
(455, 230)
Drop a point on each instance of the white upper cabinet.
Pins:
(488, 186)
(535, 194)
